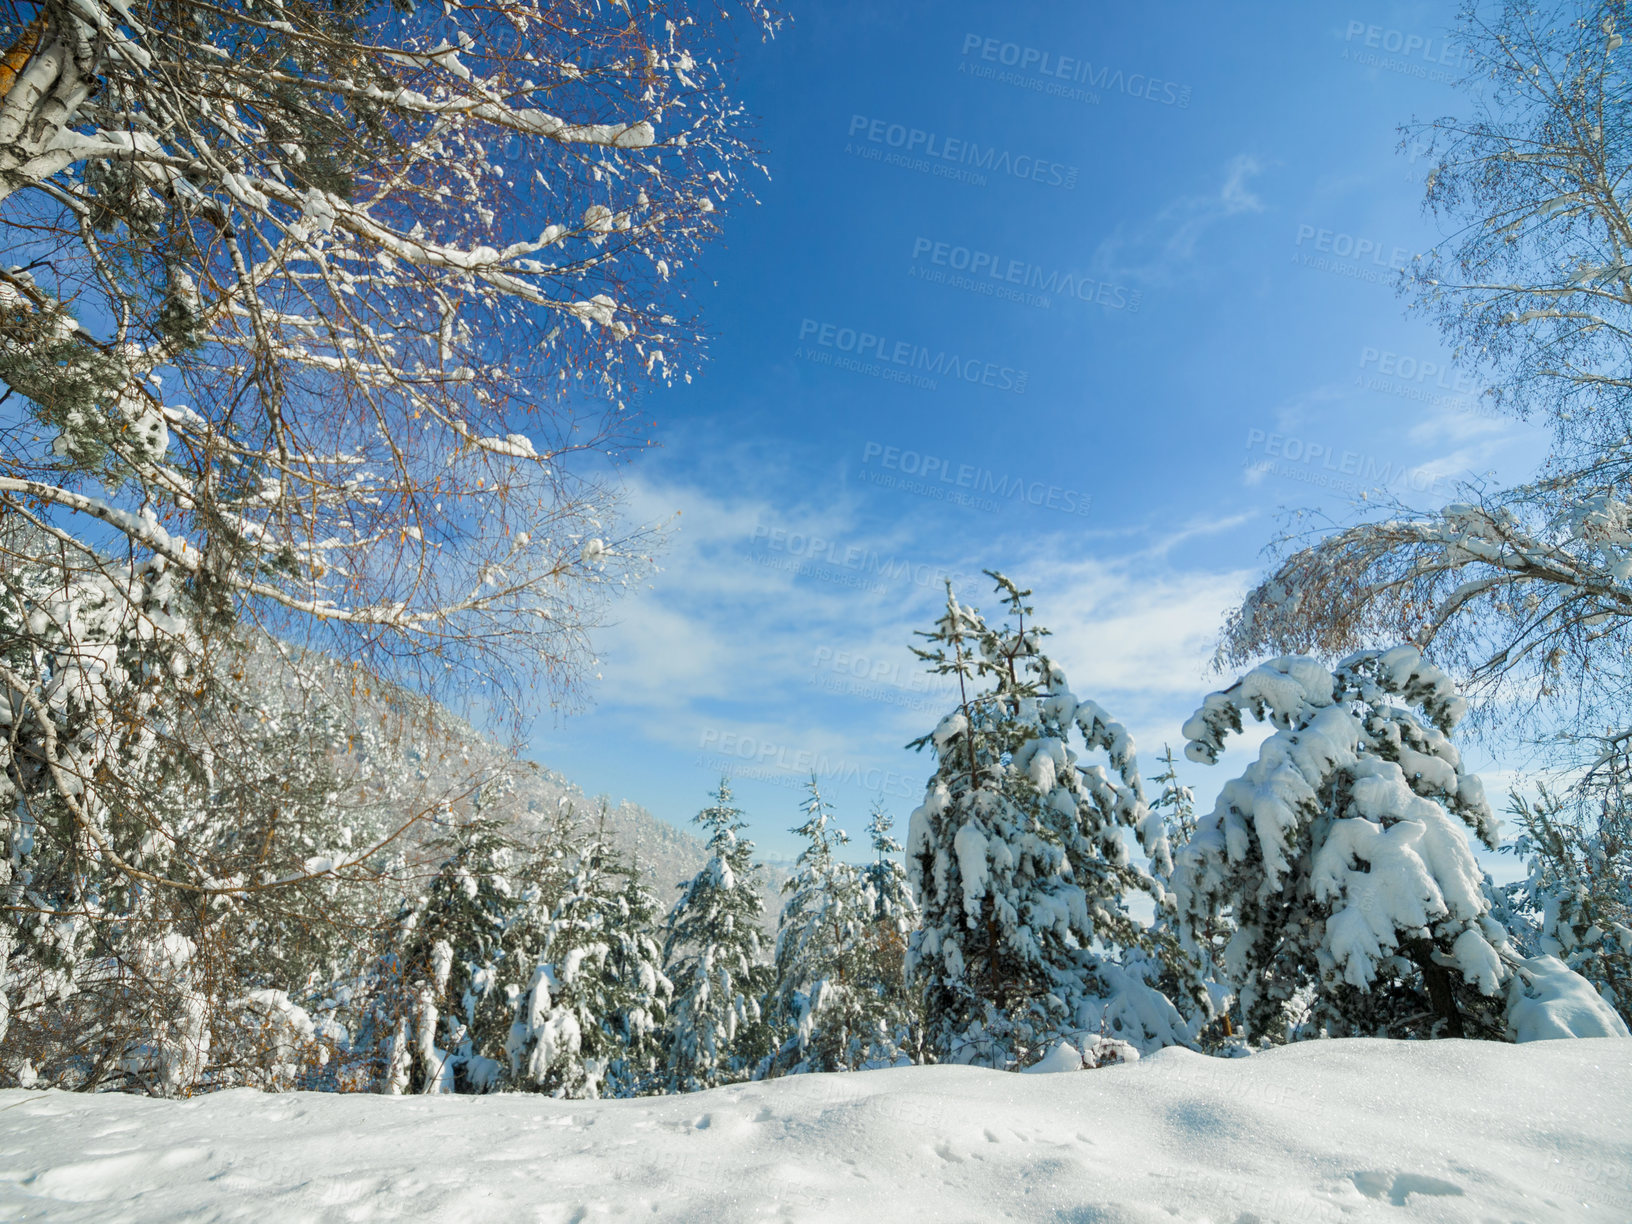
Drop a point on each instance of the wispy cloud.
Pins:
(1162, 249)
(720, 643)
(1438, 446)
(1236, 196)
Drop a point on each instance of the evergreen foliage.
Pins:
(712, 954)
(1340, 859)
(1018, 856)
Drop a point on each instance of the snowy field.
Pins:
(1336, 1131)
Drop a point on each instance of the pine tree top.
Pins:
(815, 829)
(723, 819)
(879, 825)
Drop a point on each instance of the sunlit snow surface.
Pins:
(1333, 1131)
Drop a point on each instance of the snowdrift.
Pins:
(1346, 1131)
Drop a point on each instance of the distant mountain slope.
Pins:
(399, 753)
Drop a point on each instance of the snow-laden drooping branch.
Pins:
(1526, 592)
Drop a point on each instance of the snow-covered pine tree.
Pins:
(892, 917)
(455, 965)
(1341, 857)
(884, 877)
(589, 1009)
(712, 955)
(1018, 859)
(1193, 979)
(821, 1007)
(635, 965)
(1575, 901)
(1175, 802)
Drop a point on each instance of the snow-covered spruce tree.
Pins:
(1195, 981)
(1341, 858)
(822, 1008)
(1575, 901)
(1175, 802)
(370, 1003)
(712, 954)
(889, 892)
(1018, 859)
(584, 1024)
(456, 959)
(892, 917)
(643, 994)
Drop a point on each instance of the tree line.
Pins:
(1042, 907)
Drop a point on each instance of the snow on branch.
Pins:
(371, 290)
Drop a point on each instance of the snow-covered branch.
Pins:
(352, 297)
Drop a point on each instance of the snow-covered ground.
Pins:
(1329, 1131)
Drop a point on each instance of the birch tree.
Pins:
(318, 306)
(1524, 592)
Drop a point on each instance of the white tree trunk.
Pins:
(45, 77)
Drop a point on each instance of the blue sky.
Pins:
(1094, 328)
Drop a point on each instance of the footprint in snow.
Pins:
(1397, 1187)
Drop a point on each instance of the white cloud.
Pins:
(1315, 434)
(719, 661)
(1160, 249)
(1235, 195)
(718, 642)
